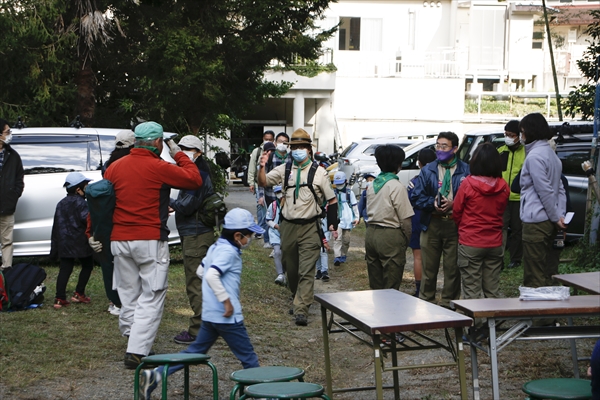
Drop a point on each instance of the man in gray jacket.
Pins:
(543, 199)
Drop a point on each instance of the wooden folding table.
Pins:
(380, 313)
(498, 310)
(588, 282)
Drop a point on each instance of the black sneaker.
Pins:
(301, 320)
(318, 275)
(325, 277)
(132, 361)
(257, 236)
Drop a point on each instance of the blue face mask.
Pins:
(299, 155)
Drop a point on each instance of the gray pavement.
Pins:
(240, 196)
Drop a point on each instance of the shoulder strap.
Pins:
(269, 165)
(286, 177)
(311, 178)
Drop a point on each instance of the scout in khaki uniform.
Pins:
(389, 229)
(301, 236)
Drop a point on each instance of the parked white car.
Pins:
(48, 155)
(409, 170)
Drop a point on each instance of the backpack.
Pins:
(309, 183)
(4, 298)
(101, 204)
(212, 211)
(24, 284)
(222, 160)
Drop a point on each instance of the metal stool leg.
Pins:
(215, 380)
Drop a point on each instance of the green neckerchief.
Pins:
(151, 148)
(281, 157)
(300, 168)
(447, 181)
(382, 179)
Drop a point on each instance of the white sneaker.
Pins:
(272, 254)
(149, 380)
(280, 280)
(114, 310)
(268, 246)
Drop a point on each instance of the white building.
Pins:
(400, 61)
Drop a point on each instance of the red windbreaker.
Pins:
(142, 183)
(478, 211)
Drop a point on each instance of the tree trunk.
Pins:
(86, 101)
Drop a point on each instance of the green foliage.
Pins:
(581, 100)
(517, 107)
(309, 69)
(36, 62)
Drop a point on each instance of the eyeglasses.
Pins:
(442, 146)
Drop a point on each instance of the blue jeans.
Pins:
(236, 337)
(261, 214)
(322, 262)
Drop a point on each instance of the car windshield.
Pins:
(370, 151)
(348, 149)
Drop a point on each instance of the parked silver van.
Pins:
(48, 155)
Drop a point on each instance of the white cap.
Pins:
(339, 178)
(191, 142)
(238, 218)
(74, 179)
(124, 139)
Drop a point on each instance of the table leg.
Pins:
(329, 388)
(186, 382)
(475, 372)
(462, 376)
(377, 361)
(574, 352)
(494, 358)
(395, 371)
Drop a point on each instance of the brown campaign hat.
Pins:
(300, 136)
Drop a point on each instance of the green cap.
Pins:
(148, 131)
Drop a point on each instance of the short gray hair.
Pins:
(144, 142)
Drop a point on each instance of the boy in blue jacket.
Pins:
(220, 271)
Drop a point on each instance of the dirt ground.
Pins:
(280, 342)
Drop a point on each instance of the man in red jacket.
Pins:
(142, 182)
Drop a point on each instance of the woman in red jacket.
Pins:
(478, 209)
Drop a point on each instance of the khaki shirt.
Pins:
(390, 206)
(305, 207)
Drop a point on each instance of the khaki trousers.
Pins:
(7, 224)
(300, 248)
(441, 238)
(194, 250)
(537, 245)
(342, 243)
(385, 250)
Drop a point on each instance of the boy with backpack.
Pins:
(69, 240)
(347, 214)
(221, 272)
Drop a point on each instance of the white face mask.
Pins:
(7, 139)
(190, 154)
(369, 184)
(279, 195)
(245, 246)
(510, 141)
(282, 148)
(521, 139)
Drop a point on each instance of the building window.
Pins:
(360, 34)
(538, 40)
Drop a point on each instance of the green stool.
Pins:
(251, 376)
(558, 389)
(285, 390)
(168, 360)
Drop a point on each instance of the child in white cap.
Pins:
(347, 214)
(69, 241)
(221, 271)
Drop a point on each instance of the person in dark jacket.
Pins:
(11, 188)
(195, 237)
(434, 194)
(69, 241)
